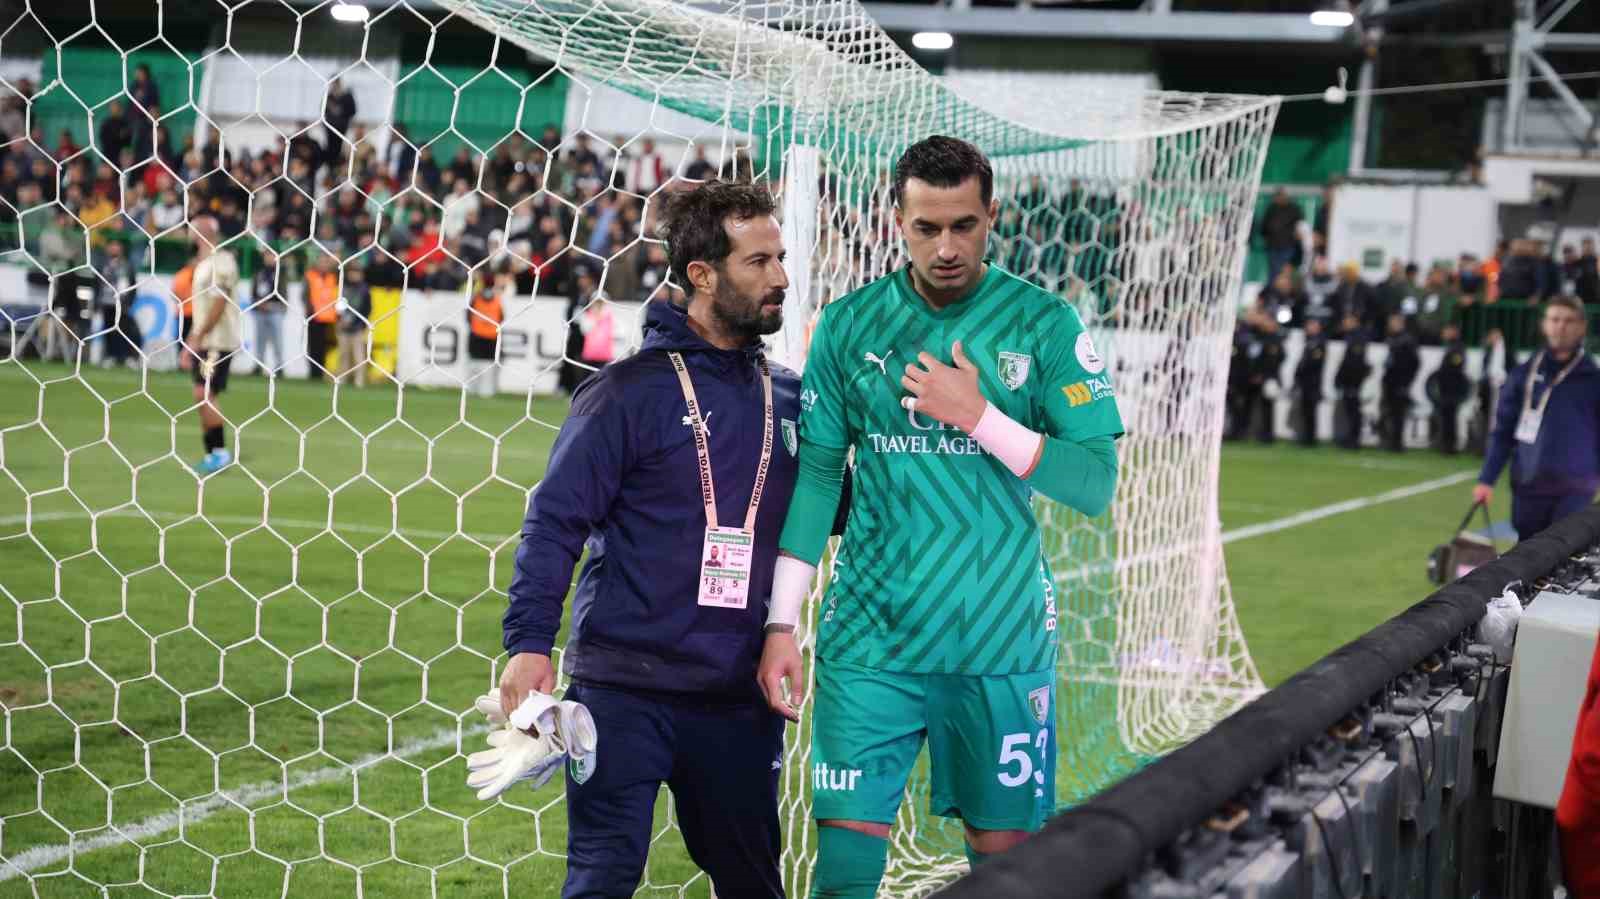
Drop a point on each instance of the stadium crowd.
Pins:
(563, 214)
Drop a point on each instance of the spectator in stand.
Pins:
(400, 157)
(1522, 275)
(1348, 380)
(1398, 288)
(1281, 300)
(648, 170)
(1491, 270)
(66, 147)
(338, 111)
(1470, 281)
(1588, 286)
(1399, 372)
(1280, 234)
(144, 91)
(1437, 307)
(267, 307)
(116, 134)
(622, 268)
(1547, 425)
(699, 168)
(322, 312)
(1355, 297)
(355, 313)
(1569, 269)
(653, 272)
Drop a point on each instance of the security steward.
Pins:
(1448, 387)
(1547, 425)
(1399, 372)
(1308, 383)
(1353, 371)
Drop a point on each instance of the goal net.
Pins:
(259, 682)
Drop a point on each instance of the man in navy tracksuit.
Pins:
(665, 640)
(1547, 423)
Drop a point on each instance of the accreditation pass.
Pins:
(725, 567)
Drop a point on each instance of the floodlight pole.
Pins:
(1366, 79)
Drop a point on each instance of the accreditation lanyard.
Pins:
(1533, 416)
(726, 554)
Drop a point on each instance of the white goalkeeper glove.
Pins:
(559, 729)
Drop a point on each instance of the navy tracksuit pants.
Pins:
(1533, 512)
(722, 761)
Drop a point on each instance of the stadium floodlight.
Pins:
(933, 40)
(1333, 18)
(350, 13)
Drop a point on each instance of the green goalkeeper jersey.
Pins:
(941, 569)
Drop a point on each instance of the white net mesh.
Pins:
(256, 683)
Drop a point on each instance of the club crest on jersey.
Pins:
(791, 441)
(1039, 701)
(1014, 369)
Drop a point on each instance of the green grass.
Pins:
(337, 598)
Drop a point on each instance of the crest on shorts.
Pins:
(1039, 701)
(1014, 369)
(791, 440)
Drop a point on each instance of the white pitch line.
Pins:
(272, 522)
(192, 813)
(1349, 505)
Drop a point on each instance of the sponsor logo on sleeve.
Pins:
(808, 398)
(1082, 393)
(1088, 356)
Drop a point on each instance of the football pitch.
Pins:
(337, 598)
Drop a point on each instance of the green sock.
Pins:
(974, 857)
(849, 864)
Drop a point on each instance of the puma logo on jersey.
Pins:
(841, 779)
(704, 422)
(881, 363)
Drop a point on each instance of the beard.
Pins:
(746, 318)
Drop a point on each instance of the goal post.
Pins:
(261, 681)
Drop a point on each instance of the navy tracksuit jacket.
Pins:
(1558, 473)
(671, 684)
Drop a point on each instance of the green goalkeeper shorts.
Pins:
(991, 745)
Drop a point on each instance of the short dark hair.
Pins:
(1567, 301)
(693, 222)
(943, 162)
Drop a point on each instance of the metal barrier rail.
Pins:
(1408, 713)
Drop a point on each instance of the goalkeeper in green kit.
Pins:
(963, 389)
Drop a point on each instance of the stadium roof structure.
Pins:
(1157, 22)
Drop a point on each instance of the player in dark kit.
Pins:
(1308, 383)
